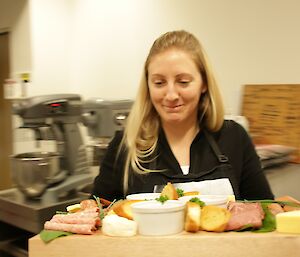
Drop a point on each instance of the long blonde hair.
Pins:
(142, 128)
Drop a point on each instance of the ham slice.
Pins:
(84, 229)
(85, 221)
(243, 214)
(88, 204)
(76, 219)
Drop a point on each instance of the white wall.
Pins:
(97, 47)
(51, 32)
(14, 18)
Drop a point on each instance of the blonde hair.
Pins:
(143, 123)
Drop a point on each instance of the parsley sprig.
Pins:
(180, 192)
(162, 199)
(198, 201)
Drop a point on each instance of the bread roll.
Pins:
(192, 218)
(170, 191)
(123, 208)
(214, 218)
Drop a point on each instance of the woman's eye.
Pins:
(184, 82)
(158, 83)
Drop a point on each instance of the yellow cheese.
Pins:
(73, 208)
(231, 198)
(288, 222)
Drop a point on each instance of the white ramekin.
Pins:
(155, 218)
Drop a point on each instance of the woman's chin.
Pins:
(173, 120)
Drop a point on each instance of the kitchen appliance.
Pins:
(46, 182)
(33, 172)
(52, 117)
(103, 118)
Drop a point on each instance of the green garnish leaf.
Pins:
(269, 222)
(111, 204)
(198, 201)
(245, 228)
(162, 199)
(268, 201)
(101, 211)
(49, 235)
(180, 192)
(61, 212)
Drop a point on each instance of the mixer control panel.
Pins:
(58, 107)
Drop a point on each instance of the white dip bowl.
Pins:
(218, 200)
(143, 196)
(157, 219)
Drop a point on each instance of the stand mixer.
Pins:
(46, 182)
(48, 175)
(103, 118)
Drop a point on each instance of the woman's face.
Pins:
(175, 86)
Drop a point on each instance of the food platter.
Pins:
(203, 241)
(204, 244)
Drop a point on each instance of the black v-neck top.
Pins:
(243, 168)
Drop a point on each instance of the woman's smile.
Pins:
(173, 108)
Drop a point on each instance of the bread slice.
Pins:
(192, 218)
(123, 208)
(214, 218)
(170, 191)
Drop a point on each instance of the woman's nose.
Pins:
(171, 93)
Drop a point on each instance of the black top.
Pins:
(243, 167)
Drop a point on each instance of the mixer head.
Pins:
(104, 117)
(38, 110)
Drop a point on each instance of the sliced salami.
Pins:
(76, 219)
(85, 221)
(85, 229)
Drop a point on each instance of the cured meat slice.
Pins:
(85, 229)
(76, 219)
(88, 204)
(243, 214)
(82, 222)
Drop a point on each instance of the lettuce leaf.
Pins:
(269, 222)
(49, 235)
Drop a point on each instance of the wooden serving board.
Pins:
(204, 244)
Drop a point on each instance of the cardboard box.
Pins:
(273, 112)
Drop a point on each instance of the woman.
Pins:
(176, 132)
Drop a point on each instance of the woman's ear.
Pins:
(203, 88)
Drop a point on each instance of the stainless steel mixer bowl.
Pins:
(33, 172)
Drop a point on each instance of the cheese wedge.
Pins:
(231, 198)
(73, 208)
(288, 222)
